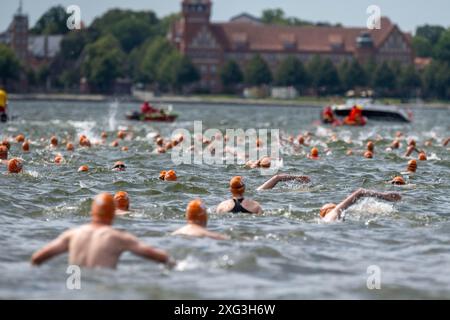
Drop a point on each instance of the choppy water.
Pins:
(284, 254)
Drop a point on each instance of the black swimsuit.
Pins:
(238, 208)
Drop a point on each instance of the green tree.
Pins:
(324, 75)
(176, 71)
(273, 16)
(384, 78)
(431, 33)
(154, 54)
(231, 74)
(353, 75)
(103, 62)
(409, 80)
(9, 64)
(442, 48)
(53, 21)
(257, 72)
(291, 72)
(422, 46)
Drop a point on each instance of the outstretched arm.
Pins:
(56, 247)
(272, 182)
(355, 196)
(137, 247)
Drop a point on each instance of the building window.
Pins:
(213, 69)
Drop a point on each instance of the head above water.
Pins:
(122, 201)
(3, 152)
(398, 181)
(237, 186)
(314, 153)
(119, 166)
(170, 176)
(15, 165)
(412, 166)
(327, 208)
(103, 208)
(265, 162)
(196, 213)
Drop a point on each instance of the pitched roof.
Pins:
(304, 38)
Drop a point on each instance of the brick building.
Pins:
(210, 44)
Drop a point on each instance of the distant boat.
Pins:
(161, 116)
(373, 111)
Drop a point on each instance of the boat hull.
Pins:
(152, 118)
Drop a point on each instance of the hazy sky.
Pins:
(407, 13)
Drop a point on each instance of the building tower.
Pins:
(18, 31)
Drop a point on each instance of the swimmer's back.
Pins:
(95, 246)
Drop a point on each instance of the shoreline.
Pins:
(214, 100)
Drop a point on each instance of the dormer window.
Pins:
(336, 42)
(240, 40)
(288, 40)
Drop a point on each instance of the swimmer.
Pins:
(238, 204)
(333, 212)
(272, 182)
(119, 166)
(399, 181)
(15, 165)
(25, 146)
(20, 138)
(314, 154)
(412, 166)
(70, 147)
(53, 141)
(264, 162)
(122, 201)
(197, 219)
(168, 175)
(3, 152)
(368, 154)
(445, 142)
(83, 168)
(98, 244)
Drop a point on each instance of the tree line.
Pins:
(132, 44)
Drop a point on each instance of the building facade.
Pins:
(210, 44)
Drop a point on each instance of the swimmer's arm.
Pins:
(446, 141)
(272, 182)
(54, 248)
(215, 235)
(361, 193)
(139, 248)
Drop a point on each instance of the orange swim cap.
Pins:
(54, 141)
(26, 146)
(368, 154)
(170, 176)
(3, 152)
(196, 212)
(422, 156)
(122, 201)
(121, 134)
(20, 138)
(237, 184)
(370, 146)
(114, 144)
(15, 165)
(104, 135)
(125, 148)
(398, 181)
(412, 165)
(314, 153)
(58, 159)
(83, 168)
(326, 209)
(6, 143)
(103, 208)
(85, 142)
(162, 174)
(70, 147)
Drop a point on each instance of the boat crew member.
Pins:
(238, 204)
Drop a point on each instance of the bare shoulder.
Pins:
(252, 206)
(225, 206)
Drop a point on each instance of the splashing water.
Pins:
(112, 122)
